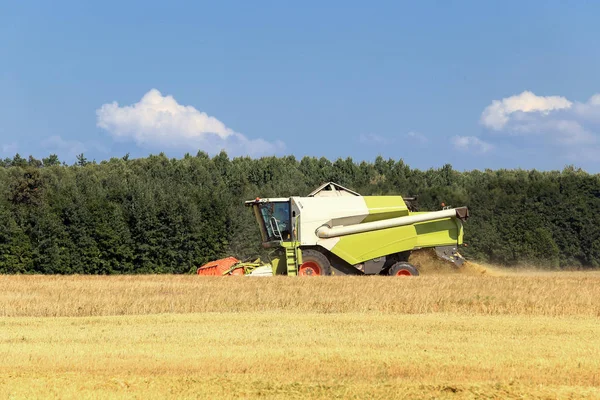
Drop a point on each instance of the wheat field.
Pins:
(549, 294)
(527, 335)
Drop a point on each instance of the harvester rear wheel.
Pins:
(314, 263)
(403, 269)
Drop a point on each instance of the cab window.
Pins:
(276, 217)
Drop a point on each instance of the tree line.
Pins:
(165, 215)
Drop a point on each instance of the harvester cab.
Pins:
(274, 219)
(336, 231)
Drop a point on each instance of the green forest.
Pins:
(165, 215)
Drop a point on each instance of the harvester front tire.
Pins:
(314, 263)
(403, 269)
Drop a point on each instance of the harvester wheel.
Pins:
(314, 263)
(403, 269)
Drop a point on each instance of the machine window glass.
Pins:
(276, 217)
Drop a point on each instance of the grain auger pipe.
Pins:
(326, 231)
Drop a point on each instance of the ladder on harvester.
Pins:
(292, 256)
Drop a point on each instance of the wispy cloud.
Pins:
(65, 148)
(372, 138)
(417, 137)
(159, 121)
(10, 148)
(471, 144)
(375, 139)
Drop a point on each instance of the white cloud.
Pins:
(66, 148)
(498, 114)
(10, 148)
(160, 121)
(571, 128)
(471, 144)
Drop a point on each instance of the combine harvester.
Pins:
(336, 231)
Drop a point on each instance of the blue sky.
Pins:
(478, 84)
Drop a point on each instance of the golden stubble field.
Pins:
(533, 335)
